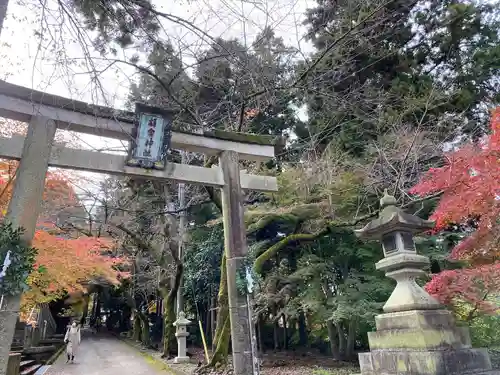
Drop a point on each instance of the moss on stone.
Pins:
(414, 339)
(402, 366)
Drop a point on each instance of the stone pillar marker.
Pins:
(415, 334)
(181, 333)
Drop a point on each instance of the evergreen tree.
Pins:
(432, 65)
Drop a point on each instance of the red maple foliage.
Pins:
(470, 182)
(64, 260)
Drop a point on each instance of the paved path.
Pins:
(103, 355)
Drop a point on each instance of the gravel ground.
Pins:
(304, 363)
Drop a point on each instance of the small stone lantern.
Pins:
(181, 333)
(395, 229)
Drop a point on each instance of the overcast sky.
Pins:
(27, 62)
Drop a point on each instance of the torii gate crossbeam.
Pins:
(45, 113)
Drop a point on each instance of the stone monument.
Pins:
(415, 334)
(181, 333)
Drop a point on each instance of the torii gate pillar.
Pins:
(235, 246)
(23, 211)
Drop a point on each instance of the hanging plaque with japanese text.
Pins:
(151, 138)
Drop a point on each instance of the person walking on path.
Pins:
(72, 339)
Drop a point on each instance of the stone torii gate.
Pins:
(36, 152)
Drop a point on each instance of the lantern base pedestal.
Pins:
(407, 362)
(181, 359)
(422, 342)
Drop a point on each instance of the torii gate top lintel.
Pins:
(21, 103)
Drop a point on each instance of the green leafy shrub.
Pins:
(21, 260)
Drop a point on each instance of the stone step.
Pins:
(27, 362)
(42, 370)
(31, 370)
(51, 341)
(40, 349)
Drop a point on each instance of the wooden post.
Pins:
(236, 250)
(44, 331)
(23, 211)
(35, 336)
(28, 337)
(14, 364)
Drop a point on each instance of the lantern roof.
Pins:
(181, 320)
(392, 218)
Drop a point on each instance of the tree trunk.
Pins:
(98, 307)
(285, 332)
(333, 337)
(168, 339)
(221, 351)
(125, 319)
(213, 305)
(174, 284)
(342, 340)
(144, 321)
(276, 335)
(351, 339)
(208, 321)
(259, 333)
(95, 296)
(303, 339)
(181, 231)
(223, 328)
(85, 312)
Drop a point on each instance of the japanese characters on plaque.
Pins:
(152, 138)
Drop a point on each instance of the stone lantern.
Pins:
(415, 335)
(181, 333)
(395, 229)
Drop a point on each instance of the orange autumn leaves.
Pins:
(64, 265)
(58, 191)
(64, 261)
